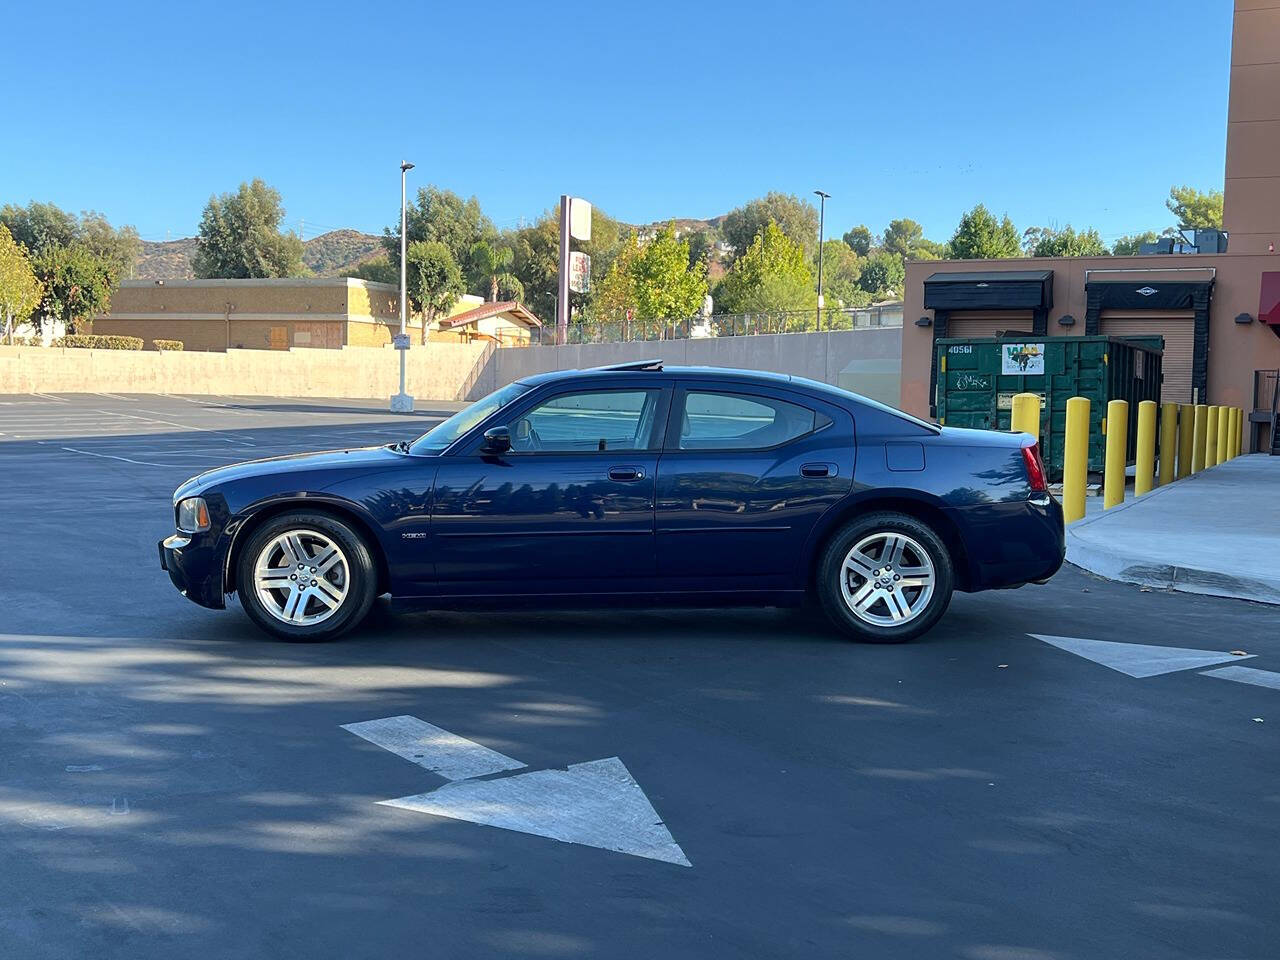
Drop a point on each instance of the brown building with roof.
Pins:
(273, 314)
(506, 323)
(1219, 313)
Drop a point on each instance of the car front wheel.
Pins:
(305, 576)
(885, 578)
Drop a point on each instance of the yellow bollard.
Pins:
(1117, 453)
(1025, 416)
(1237, 431)
(1075, 461)
(1211, 437)
(1168, 441)
(1145, 458)
(1197, 439)
(1224, 433)
(1186, 435)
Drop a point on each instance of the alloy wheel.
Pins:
(301, 577)
(887, 579)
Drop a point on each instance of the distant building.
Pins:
(271, 314)
(506, 323)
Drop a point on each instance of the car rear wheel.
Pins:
(885, 578)
(306, 576)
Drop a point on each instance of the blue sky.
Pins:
(1082, 112)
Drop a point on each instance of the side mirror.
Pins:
(496, 440)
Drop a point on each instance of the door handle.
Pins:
(814, 470)
(626, 474)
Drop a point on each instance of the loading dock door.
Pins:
(1178, 329)
(975, 324)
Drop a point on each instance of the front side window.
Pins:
(586, 422)
(729, 421)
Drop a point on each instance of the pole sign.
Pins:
(579, 219)
(579, 272)
(400, 341)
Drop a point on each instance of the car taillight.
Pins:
(1035, 468)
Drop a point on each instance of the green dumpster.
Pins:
(978, 377)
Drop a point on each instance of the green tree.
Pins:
(492, 265)
(797, 218)
(239, 237)
(702, 246)
(1049, 242)
(77, 285)
(653, 280)
(883, 275)
(859, 240)
(771, 277)
(1131, 244)
(378, 269)
(19, 289)
(980, 236)
(433, 280)
(841, 273)
(39, 226)
(1194, 208)
(443, 217)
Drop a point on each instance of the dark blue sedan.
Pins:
(629, 484)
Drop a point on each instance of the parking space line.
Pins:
(108, 456)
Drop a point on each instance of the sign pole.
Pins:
(402, 402)
(562, 296)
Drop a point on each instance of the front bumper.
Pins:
(195, 569)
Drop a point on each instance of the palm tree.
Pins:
(492, 267)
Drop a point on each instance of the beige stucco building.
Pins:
(271, 314)
(1218, 312)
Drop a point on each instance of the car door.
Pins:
(746, 472)
(568, 509)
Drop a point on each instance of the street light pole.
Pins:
(402, 402)
(822, 218)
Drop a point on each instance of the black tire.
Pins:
(831, 570)
(359, 577)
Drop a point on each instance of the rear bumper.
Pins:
(1013, 543)
(195, 569)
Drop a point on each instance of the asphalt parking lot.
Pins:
(173, 783)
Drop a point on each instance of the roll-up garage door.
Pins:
(974, 324)
(1178, 330)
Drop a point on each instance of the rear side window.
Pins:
(732, 421)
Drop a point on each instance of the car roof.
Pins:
(621, 370)
(656, 366)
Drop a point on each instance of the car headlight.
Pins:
(193, 515)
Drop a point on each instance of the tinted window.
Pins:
(598, 420)
(728, 421)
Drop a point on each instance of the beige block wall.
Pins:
(439, 371)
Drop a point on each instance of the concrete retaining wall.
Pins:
(437, 371)
(866, 360)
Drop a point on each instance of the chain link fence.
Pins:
(728, 325)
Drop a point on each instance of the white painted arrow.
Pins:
(1259, 678)
(597, 804)
(1139, 659)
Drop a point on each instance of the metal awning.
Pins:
(989, 290)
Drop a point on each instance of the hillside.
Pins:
(328, 255)
(331, 254)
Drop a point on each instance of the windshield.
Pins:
(440, 436)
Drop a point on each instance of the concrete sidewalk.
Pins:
(1216, 532)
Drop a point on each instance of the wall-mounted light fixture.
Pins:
(924, 322)
(1066, 320)
(1243, 318)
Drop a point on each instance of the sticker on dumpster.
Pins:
(1025, 359)
(1004, 399)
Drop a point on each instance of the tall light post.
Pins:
(402, 402)
(822, 218)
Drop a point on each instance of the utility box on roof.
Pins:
(978, 377)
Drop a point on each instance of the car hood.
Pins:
(345, 460)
